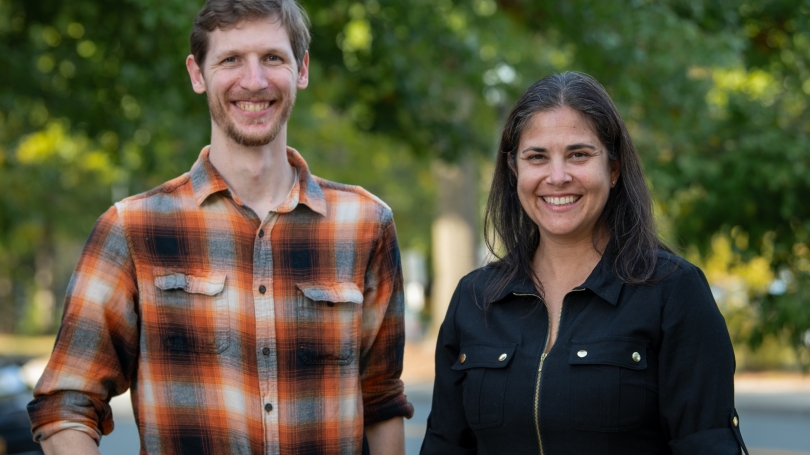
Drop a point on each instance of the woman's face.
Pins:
(564, 175)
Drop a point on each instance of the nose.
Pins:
(253, 77)
(558, 173)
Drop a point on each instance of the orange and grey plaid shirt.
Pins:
(235, 335)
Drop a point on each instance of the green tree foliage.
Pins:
(95, 105)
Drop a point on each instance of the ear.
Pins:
(195, 73)
(303, 73)
(615, 171)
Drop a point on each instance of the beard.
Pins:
(220, 116)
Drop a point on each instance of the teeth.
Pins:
(249, 106)
(561, 200)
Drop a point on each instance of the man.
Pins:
(250, 307)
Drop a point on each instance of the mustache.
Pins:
(244, 95)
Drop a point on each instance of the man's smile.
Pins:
(253, 106)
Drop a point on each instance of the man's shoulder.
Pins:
(336, 192)
(168, 187)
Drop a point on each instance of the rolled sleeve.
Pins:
(696, 375)
(96, 347)
(383, 335)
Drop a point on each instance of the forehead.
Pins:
(251, 35)
(562, 121)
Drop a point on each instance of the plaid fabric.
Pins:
(235, 335)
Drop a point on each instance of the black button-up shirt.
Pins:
(636, 369)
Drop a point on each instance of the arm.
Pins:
(383, 334)
(70, 442)
(96, 348)
(696, 374)
(387, 438)
(447, 429)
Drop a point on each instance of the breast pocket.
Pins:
(193, 311)
(327, 322)
(609, 388)
(485, 382)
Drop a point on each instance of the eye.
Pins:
(273, 59)
(229, 60)
(535, 157)
(579, 155)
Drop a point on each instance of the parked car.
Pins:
(15, 394)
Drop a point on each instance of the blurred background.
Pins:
(407, 98)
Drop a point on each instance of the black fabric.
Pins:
(636, 369)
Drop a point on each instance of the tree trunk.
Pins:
(454, 232)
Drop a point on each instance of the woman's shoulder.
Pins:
(477, 282)
(671, 267)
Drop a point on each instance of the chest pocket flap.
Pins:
(192, 311)
(621, 352)
(208, 283)
(485, 382)
(334, 292)
(484, 356)
(328, 320)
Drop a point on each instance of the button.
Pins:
(268, 407)
(636, 357)
(330, 304)
(261, 233)
(582, 353)
(502, 357)
(266, 351)
(262, 289)
(735, 421)
(463, 358)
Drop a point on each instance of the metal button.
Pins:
(636, 357)
(268, 407)
(502, 357)
(262, 289)
(582, 353)
(261, 233)
(266, 351)
(735, 421)
(463, 358)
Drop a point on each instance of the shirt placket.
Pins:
(267, 355)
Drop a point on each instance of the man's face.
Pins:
(251, 77)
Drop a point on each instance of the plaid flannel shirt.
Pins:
(235, 335)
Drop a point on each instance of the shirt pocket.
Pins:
(609, 389)
(327, 322)
(193, 311)
(485, 382)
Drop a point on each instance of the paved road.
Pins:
(772, 423)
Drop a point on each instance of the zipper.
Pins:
(540, 369)
(537, 387)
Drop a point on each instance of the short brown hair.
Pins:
(226, 14)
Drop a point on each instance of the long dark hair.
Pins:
(627, 216)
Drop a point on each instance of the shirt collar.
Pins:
(205, 180)
(602, 281)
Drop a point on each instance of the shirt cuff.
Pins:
(46, 431)
(397, 406)
(717, 441)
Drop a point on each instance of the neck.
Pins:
(261, 177)
(568, 261)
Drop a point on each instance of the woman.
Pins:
(587, 336)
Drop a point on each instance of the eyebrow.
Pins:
(238, 51)
(567, 148)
